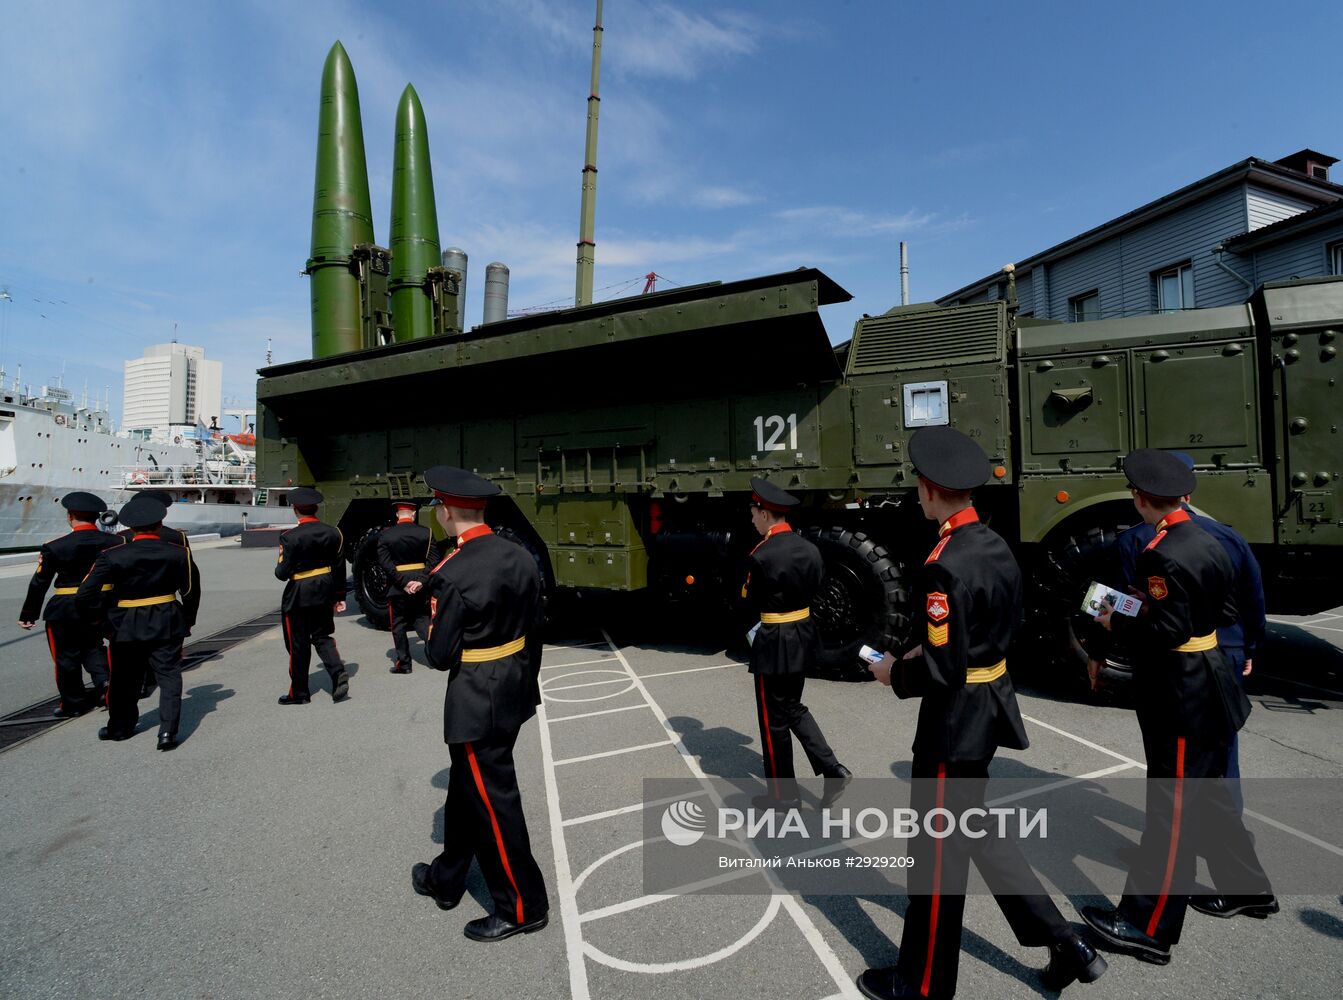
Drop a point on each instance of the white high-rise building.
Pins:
(173, 385)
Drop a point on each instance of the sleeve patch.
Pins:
(1156, 586)
(938, 607)
(937, 634)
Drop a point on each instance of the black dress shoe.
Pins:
(295, 699)
(419, 881)
(834, 784)
(98, 696)
(108, 734)
(1261, 907)
(167, 741)
(1121, 935)
(341, 688)
(886, 984)
(399, 668)
(496, 928)
(1072, 958)
(72, 711)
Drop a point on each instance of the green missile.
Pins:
(342, 213)
(414, 229)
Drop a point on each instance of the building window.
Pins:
(1174, 288)
(1336, 258)
(1084, 308)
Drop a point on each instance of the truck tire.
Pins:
(1069, 561)
(863, 599)
(547, 582)
(370, 582)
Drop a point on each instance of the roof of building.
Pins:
(1291, 226)
(1272, 173)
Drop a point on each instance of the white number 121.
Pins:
(776, 424)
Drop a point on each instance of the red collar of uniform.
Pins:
(84, 526)
(1174, 517)
(958, 520)
(774, 529)
(406, 520)
(307, 520)
(140, 536)
(472, 533)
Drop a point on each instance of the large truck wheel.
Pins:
(370, 582)
(542, 566)
(863, 599)
(1070, 560)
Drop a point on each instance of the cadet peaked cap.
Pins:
(949, 459)
(141, 511)
(772, 498)
(1186, 458)
(83, 503)
(405, 505)
(1159, 473)
(304, 496)
(459, 488)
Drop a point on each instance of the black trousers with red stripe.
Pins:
(930, 949)
(306, 629)
(1191, 812)
(781, 716)
(483, 819)
(130, 662)
(405, 613)
(76, 648)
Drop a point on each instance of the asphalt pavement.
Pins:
(269, 856)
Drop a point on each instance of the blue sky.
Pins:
(157, 158)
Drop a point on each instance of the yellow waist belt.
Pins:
(783, 617)
(982, 675)
(308, 574)
(67, 591)
(1198, 644)
(144, 602)
(494, 652)
(407, 567)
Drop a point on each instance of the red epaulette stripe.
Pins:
(937, 550)
(1153, 543)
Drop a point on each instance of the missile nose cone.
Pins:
(413, 236)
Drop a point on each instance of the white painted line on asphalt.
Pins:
(690, 670)
(804, 922)
(573, 938)
(695, 963)
(1085, 742)
(577, 645)
(583, 875)
(604, 711)
(611, 753)
(1063, 783)
(1326, 628)
(546, 689)
(1295, 832)
(593, 817)
(580, 663)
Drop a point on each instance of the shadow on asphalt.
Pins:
(197, 703)
(475, 881)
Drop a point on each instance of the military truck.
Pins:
(624, 435)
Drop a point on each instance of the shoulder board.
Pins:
(937, 550)
(1155, 541)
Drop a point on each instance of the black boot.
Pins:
(886, 984)
(340, 686)
(496, 928)
(1072, 958)
(419, 881)
(834, 784)
(294, 699)
(1261, 907)
(1121, 935)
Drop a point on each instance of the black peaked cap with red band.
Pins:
(83, 503)
(304, 496)
(459, 488)
(141, 511)
(1159, 473)
(771, 497)
(949, 459)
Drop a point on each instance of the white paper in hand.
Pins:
(750, 636)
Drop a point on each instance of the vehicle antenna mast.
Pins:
(587, 247)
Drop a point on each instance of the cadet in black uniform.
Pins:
(405, 553)
(1189, 704)
(75, 647)
(971, 595)
(785, 571)
(168, 535)
(134, 587)
(485, 602)
(312, 564)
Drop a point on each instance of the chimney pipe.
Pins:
(904, 273)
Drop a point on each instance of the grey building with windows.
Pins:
(1208, 244)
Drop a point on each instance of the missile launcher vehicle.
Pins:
(624, 434)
